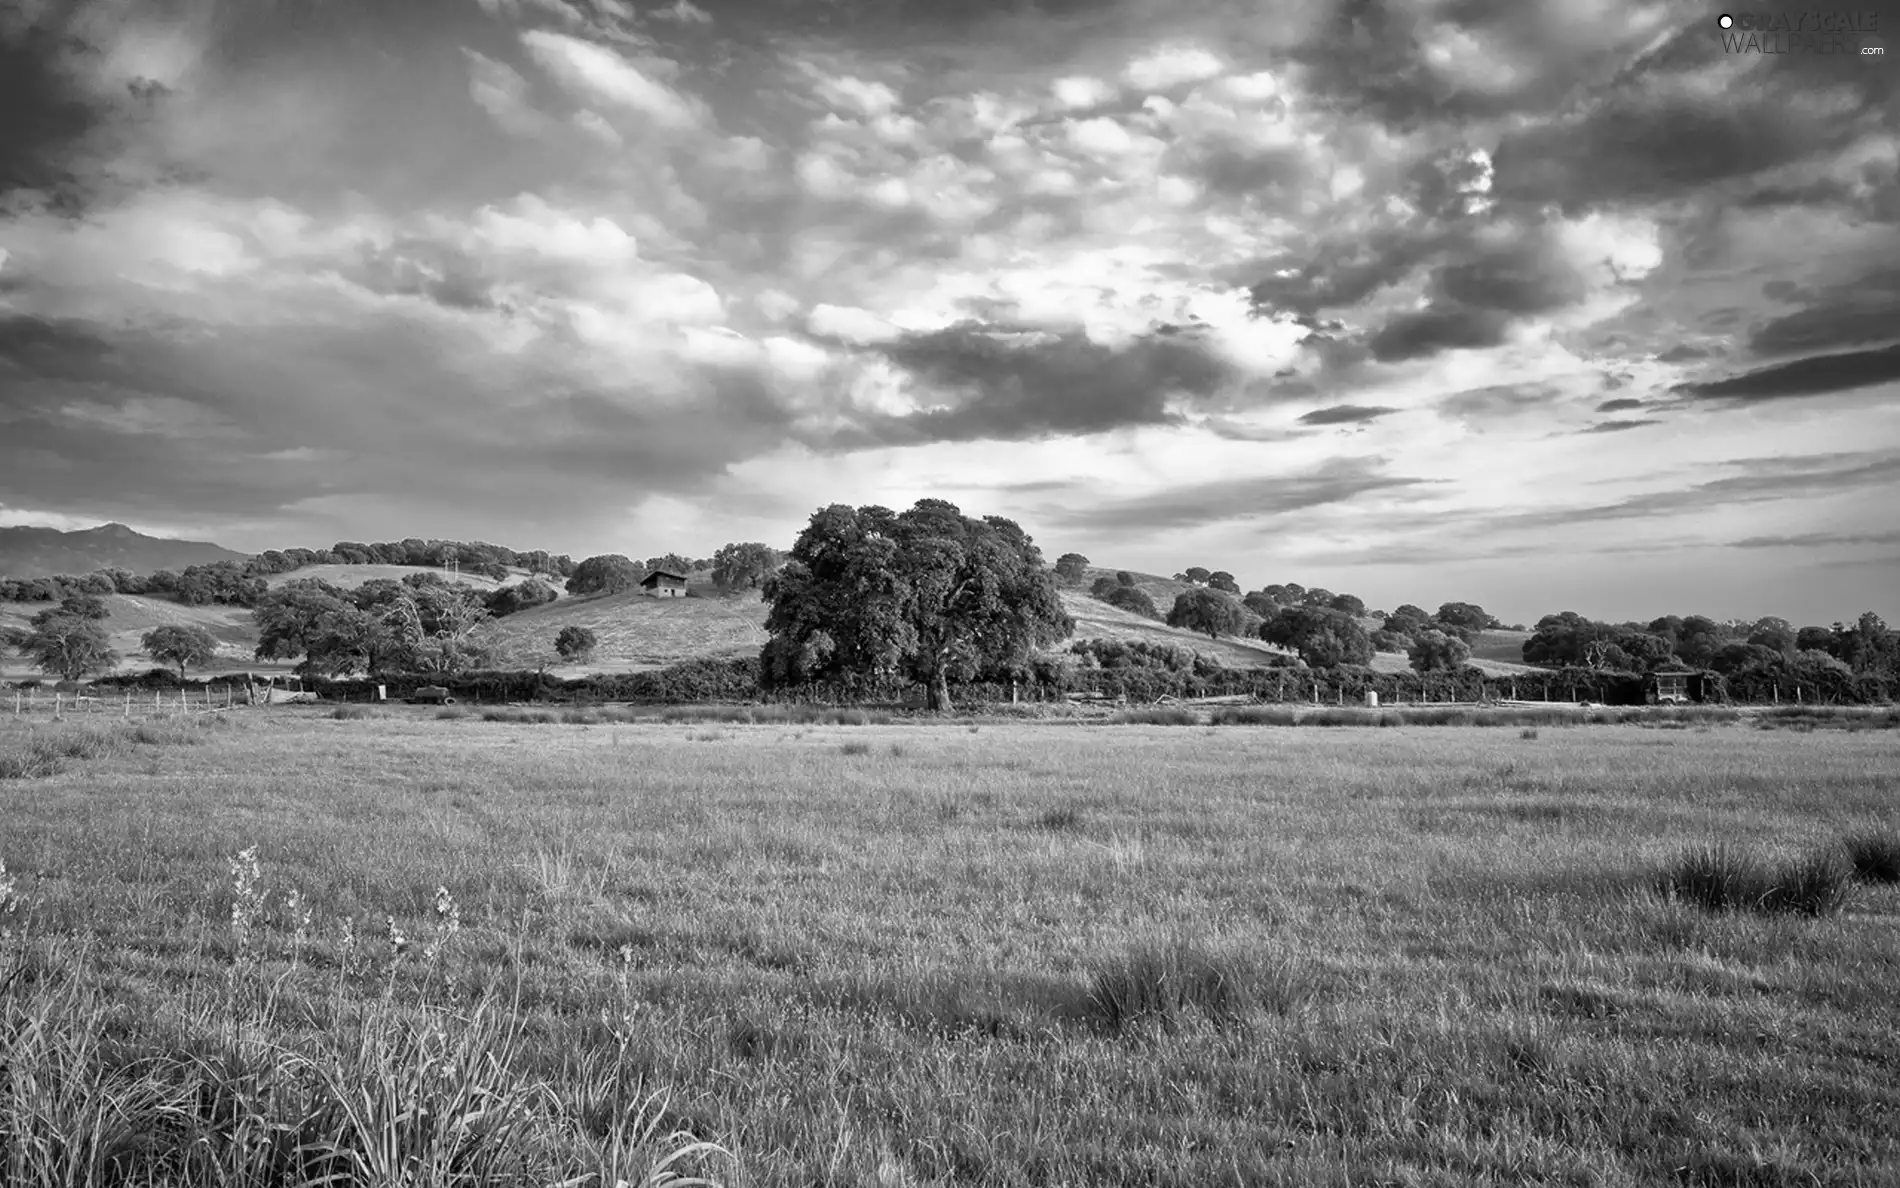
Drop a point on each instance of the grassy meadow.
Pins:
(423, 947)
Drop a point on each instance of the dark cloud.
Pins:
(1620, 404)
(423, 268)
(1814, 376)
(1346, 414)
(57, 135)
(1815, 540)
(1486, 284)
(1440, 328)
(1682, 352)
(47, 118)
(1498, 400)
(1342, 272)
(456, 435)
(1198, 504)
(1229, 429)
(1651, 143)
(1010, 385)
(1868, 310)
(1617, 426)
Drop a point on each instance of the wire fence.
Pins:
(127, 703)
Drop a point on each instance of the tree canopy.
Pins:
(1322, 636)
(576, 644)
(1435, 651)
(70, 646)
(744, 565)
(1208, 610)
(609, 573)
(181, 646)
(1072, 567)
(929, 593)
(1134, 599)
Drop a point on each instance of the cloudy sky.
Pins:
(1547, 305)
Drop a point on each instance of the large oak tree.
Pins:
(928, 593)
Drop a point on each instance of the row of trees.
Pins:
(737, 566)
(242, 583)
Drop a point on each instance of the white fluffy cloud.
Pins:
(599, 74)
(1171, 67)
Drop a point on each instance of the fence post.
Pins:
(56, 703)
(128, 705)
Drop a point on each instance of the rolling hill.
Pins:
(48, 552)
(636, 632)
(639, 633)
(132, 616)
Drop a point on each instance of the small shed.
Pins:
(663, 584)
(1679, 686)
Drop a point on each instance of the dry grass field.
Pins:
(987, 952)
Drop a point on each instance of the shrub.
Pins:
(1875, 855)
(855, 747)
(1529, 732)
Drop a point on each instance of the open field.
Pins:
(931, 954)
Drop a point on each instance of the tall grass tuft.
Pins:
(1722, 878)
(1814, 884)
(1716, 878)
(1875, 854)
(1165, 985)
(387, 1095)
(855, 748)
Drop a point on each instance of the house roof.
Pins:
(654, 577)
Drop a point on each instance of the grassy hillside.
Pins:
(1504, 646)
(636, 632)
(132, 616)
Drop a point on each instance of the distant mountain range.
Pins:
(46, 552)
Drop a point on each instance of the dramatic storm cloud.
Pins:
(1364, 294)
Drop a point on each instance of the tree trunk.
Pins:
(939, 692)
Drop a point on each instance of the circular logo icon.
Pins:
(1725, 21)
